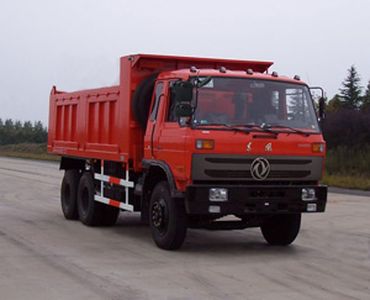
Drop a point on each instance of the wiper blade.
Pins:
(231, 127)
(257, 126)
(295, 130)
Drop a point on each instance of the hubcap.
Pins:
(160, 215)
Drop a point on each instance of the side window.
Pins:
(157, 94)
(171, 116)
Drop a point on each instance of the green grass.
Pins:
(30, 151)
(348, 167)
(349, 161)
(349, 182)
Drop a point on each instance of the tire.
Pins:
(141, 100)
(91, 212)
(68, 194)
(167, 218)
(281, 230)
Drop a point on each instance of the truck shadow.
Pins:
(223, 243)
(228, 243)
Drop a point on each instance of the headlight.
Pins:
(308, 194)
(218, 194)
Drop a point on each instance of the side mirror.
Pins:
(182, 91)
(321, 101)
(183, 110)
(322, 108)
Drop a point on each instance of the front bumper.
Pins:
(244, 199)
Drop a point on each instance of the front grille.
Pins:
(220, 167)
(220, 160)
(250, 181)
(250, 160)
(247, 174)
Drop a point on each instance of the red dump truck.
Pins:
(187, 141)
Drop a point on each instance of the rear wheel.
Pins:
(281, 229)
(167, 218)
(68, 194)
(91, 212)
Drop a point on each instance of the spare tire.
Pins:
(141, 100)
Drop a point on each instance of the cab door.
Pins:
(151, 133)
(169, 138)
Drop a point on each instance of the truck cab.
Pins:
(247, 144)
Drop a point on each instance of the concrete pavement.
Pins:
(43, 256)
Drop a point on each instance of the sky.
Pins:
(76, 44)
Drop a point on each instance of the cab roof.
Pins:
(184, 74)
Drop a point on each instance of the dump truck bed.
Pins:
(85, 123)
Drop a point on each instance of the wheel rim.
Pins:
(160, 216)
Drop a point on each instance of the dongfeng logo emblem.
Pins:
(260, 168)
(249, 147)
(268, 147)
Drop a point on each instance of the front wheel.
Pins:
(281, 229)
(167, 218)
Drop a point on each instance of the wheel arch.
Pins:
(156, 171)
(69, 163)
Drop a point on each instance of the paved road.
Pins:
(43, 256)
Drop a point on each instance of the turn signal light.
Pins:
(318, 147)
(205, 144)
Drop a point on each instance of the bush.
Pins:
(349, 128)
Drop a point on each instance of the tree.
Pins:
(351, 91)
(8, 132)
(335, 104)
(1, 132)
(18, 132)
(39, 132)
(366, 99)
(15, 132)
(347, 127)
(28, 130)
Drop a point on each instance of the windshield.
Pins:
(239, 101)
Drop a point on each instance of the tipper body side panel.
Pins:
(84, 124)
